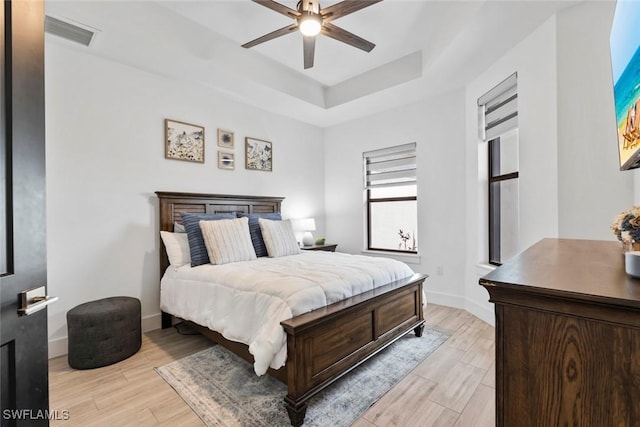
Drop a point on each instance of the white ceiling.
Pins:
(422, 48)
(397, 27)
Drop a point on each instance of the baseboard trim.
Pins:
(152, 322)
(485, 313)
(60, 346)
(443, 298)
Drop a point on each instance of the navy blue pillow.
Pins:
(256, 233)
(191, 223)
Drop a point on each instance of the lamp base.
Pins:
(307, 239)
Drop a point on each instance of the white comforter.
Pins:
(245, 301)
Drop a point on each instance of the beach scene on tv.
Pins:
(625, 63)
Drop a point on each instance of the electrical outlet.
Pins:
(439, 270)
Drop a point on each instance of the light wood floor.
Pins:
(454, 386)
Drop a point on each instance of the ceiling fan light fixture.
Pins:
(312, 20)
(310, 24)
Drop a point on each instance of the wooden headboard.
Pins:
(171, 204)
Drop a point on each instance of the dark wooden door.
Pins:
(23, 338)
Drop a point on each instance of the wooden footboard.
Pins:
(326, 343)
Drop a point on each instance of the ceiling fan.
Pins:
(311, 20)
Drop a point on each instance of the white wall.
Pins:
(437, 126)
(105, 158)
(534, 60)
(569, 183)
(591, 188)
(570, 186)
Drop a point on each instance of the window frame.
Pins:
(389, 167)
(371, 200)
(494, 206)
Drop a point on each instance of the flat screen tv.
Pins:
(625, 65)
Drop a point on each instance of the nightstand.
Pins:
(329, 248)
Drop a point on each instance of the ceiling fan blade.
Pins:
(345, 36)
(280, 8)
(275, 34)
(309, 48)
(344, 8)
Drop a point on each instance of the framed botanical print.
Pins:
(183, 141)
(225, 139)
(226, 160)
(258, 154)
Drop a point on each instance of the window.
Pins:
(499, 126)
(391, 199)
(503, 197)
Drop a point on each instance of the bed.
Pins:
(357, 327)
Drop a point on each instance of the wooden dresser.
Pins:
(567, 336)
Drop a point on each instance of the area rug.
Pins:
(223, 390)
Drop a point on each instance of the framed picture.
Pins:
(258, 154)
(225, 139)
(183, 141)
(226, 160)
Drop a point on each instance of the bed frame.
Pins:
(326, 343)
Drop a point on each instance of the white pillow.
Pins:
(278, 237)
(228, 240)
(177, 246)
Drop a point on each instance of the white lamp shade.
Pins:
(306, 224)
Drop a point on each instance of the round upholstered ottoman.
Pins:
(103, 332)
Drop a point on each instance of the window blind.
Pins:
(389, 167)
(498, 109)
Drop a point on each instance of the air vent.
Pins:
(69, 31)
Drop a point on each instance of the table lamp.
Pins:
(307, 225)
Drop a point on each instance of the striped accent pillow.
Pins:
(279, 238)
(191, 222)
(228, 240)
(256, 233)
